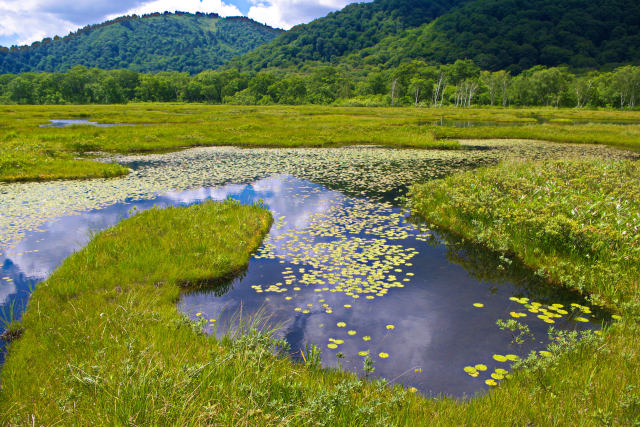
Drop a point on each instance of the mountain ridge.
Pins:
(149, 43)
(583, 34)
(513, 35)
(357, 26)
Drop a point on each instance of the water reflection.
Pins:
(436, 330)
(35, 257)
(77, 122)
(332, 259)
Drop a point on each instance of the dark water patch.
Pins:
(421, 328)
(486, 265)
(59, 123)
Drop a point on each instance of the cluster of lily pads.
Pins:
(546, 313)
(497, 375)
(350, 248)
(370, 171)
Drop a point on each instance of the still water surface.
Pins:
(350, 275)
(63, 123)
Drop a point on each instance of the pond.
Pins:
(57, 123)
(343, 268)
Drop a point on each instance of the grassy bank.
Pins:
(615, 135)
(103, 339)
(31, 152)
(578, 223)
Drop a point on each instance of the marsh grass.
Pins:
(103, 339)
(615, 135)
(577, 222)
(30, 152)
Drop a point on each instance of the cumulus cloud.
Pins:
(19, 25)
(26, 21)
(287, 13)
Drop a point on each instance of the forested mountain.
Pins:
(497, 34)
(156, 42)
(513, 35)
(355, 27)
(518, 34)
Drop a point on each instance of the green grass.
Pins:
(18, 164)
(615, 135)
(577, 221)
(29, 152)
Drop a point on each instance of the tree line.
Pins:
(415, 83)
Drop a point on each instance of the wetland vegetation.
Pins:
(159, 353)
(29, 152)
(576, 222)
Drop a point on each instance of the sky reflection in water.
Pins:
(436, 329)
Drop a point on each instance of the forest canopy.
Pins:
(514, 35)
(416, 83)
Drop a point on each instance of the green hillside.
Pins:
(517, 34)
(357, 26)
(497, 34)
(156, 42)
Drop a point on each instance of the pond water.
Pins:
(75, 122)
(343, 267)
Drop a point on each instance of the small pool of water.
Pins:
(78, 122)
(351, 275)
(356, 278)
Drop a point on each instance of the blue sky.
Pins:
(26, 21)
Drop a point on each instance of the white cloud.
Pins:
(287, 13)
(6, 290)
(22, 26)
(26, 21)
